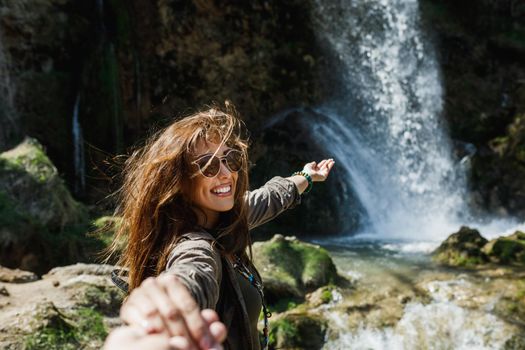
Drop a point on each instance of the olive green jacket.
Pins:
(211, 279)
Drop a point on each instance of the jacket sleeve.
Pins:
(270, 200)
(198, 266)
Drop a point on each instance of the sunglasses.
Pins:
(210, 165)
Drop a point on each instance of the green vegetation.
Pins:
(298, 331)
(83, 328)
(284, 304)
(299, 264)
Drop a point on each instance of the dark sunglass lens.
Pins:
(209, 168)
(234, 159)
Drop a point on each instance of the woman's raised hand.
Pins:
(319, 171)
(163, 305)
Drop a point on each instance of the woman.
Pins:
(187, 214)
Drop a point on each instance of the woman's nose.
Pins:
(224, 170)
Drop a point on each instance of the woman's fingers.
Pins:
(217, 329)
(187, 311)
(131, 338)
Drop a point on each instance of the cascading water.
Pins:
(383, 126)
(78, 149)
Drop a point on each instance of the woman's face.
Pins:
(216, 194)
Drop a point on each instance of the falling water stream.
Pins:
(78, 149)
(384, 125)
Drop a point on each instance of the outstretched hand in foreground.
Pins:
(162, 314)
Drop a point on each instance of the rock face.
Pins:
(71, 307)
(134, 64)
(468, 248)
(462, 248)
(481, 52)
(291, 268)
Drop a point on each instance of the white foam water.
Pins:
(441, 324)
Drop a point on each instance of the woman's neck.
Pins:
(207, 218)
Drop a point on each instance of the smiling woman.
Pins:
(187, 212)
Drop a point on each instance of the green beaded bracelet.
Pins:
(308, 178)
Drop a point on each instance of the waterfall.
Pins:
(383, 124)
(78, 149)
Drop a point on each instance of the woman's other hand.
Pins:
(319, 171)
(163, 305)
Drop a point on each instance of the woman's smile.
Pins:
(223, 190)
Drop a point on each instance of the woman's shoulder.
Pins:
(197, 235)
(195, 240)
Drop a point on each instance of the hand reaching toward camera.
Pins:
(166, 312)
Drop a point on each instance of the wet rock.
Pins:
(462, 248)
(291, 268)
(323, 295)
(298, 330)
(16, 275)
(507, 250)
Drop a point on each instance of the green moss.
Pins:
(297, 331)
(282, 331)
(326, 296)
(31, 158)
(84, 326)
(295, 259)
(284, 304)
(507, 250)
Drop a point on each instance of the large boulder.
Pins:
(41, 224)
(30, 180)
(291, 268)
(507, 249)
(462, 248)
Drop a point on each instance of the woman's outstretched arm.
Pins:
(280, 194)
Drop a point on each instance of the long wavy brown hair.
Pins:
(154, 207)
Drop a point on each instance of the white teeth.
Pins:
(222, 189)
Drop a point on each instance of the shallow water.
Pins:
(452, 315)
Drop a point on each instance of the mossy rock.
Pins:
(298, 331)
(291, 268)
(507, 250)
(32, 183)
(462, 248)
(41, 224)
